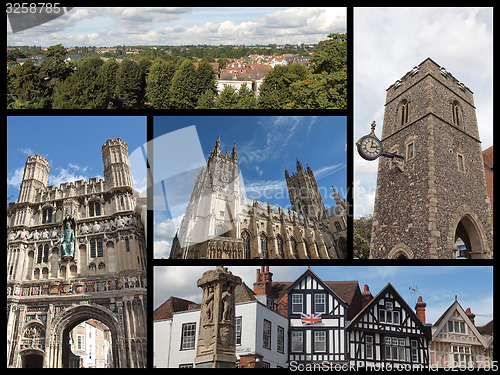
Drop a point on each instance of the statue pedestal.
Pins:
(217, 333)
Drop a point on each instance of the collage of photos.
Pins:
(302, 188)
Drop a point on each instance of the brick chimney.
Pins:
(420, 309)
(366, 296)
(470, 315)
(264, 281)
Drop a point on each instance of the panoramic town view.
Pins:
(309, 72)
(299, 188)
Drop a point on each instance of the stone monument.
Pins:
(217, 333)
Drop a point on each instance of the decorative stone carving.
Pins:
(216, 339)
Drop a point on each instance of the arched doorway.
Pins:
(31, 359)
(470, 234)
(60, 354)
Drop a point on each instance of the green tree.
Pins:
(227, 99)
(128, 85)
(207, 100)
(158, 82)
(183, 91)
(53, 69)
(275, 90)
(246, 98)
(84, 89)
(108, 76)
(362, 231)
(28, 87)
(205, 76)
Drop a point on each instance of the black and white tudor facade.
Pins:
(317, 319)
(388, 333)
(333, 323)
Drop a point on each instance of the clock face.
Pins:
(369, 147)
(224, 178)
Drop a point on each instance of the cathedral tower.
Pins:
(117, 172)
(305, 197)
(437, 195)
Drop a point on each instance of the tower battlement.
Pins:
(429, 68)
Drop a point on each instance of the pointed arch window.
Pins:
(403, 112)
(246, 243)
(293, 244)
(263, 246)
(279, 243)
(456, 113)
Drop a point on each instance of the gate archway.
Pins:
(59, 352)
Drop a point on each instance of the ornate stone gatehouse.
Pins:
(76, 252)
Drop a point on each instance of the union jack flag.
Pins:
(308, 319)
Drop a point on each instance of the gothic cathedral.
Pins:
(437, 195)
(222, 224)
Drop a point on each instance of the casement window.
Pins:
(188, 336)
(319, 303)
(238, 330)
(267, 334)
(281, 340)
(297, 303)
(461, 355)
(297, 341)
(395, 348)
(320, 341)
(388, 315)
(414, 350)
(369, 347)
(456, 327)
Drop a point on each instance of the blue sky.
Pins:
(72, 146)
(459, 39)
(438, 286)
(112, 26)
(264, 144)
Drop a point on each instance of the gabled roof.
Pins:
(443, 319)
(321, 282)
(389, 288)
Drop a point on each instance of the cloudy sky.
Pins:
(72, 145)
(175, 26)
(265, 146)
(437, 285)
(389, 42)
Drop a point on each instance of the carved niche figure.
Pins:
(67, 241)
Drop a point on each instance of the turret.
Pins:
(36, 176)
(117, 172)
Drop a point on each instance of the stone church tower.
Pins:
(438, 193)
(304, 193)
(76, 252)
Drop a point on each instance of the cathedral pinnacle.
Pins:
(299, 166)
